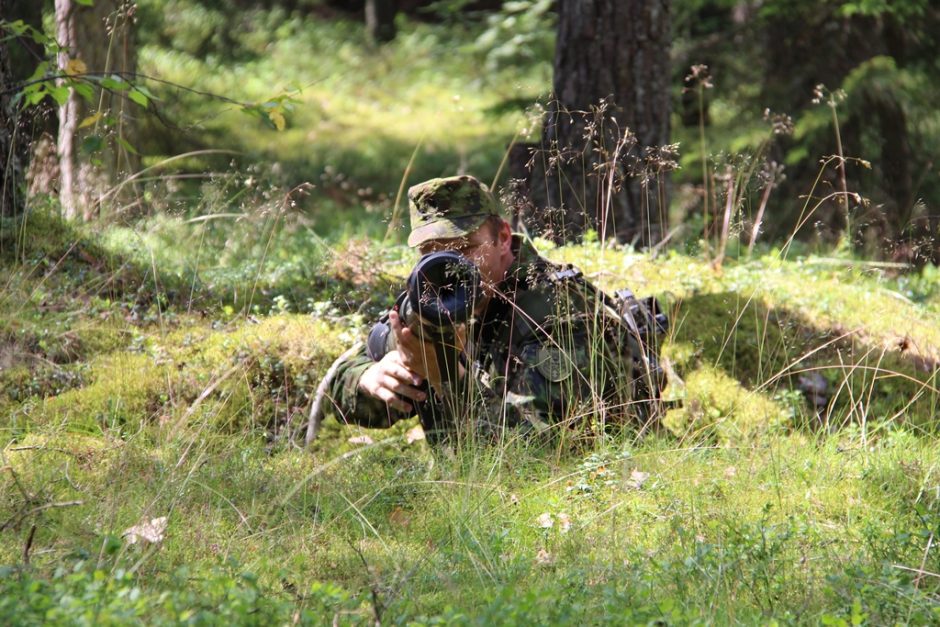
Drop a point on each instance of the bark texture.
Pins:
(380, 19)
(611, 107)
(94, 159)
(19, 57)
(11, 158)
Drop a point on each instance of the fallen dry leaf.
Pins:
(637, 479)
(545, 521)
(75, 66)
(564, 522)
(148, 532)
(730, 472)
(399, 517)
(543, 558)
(360, 439)
(414, 434)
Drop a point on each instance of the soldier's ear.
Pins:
(504, 235)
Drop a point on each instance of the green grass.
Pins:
(743, 507)
(358, 116)
(158, 367)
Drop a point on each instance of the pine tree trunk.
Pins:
(611, 105)
(95, 158)
(380, 19)
(41, 121)
(10, 204)
(18, 59)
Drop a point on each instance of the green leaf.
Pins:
(86, 3)
(42, 39)
(17, 27)
(60, 93)
(40, 71)
(254, 111)
(127, 146)
(138, 96)
(143, 89)
(114, 83)
(92, 144)
(35, 97)
(84, 90)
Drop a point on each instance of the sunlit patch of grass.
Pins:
(713, 405)
(357, 110)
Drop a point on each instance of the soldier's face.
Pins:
(489, 248)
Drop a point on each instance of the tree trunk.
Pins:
(95, 158)
(19, 57)
(10, 203)
(380, 19)
(41, 121)
(610, 113)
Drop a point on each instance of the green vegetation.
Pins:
(745, 506)
(356, 119)
(163, 367)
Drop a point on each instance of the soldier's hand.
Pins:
(419, 355)
(390, 379)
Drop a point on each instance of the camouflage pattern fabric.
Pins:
(547, 352)
(448, 207)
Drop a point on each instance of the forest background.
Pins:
(203, 206)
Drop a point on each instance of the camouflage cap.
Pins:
(449, 207)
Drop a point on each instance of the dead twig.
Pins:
(920, 571)
(29, 544)
(39, 508)
(376, 600)
(316, 409)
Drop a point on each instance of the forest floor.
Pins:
(132, 396)
(154, 368)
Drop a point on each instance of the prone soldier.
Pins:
(535, 346)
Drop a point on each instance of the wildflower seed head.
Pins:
(780, 123)
(819, 93)
(700, 76)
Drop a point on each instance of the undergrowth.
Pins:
(752, 502)
(156, 376)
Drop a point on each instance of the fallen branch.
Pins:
(316, 409)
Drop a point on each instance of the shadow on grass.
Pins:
(818, 376)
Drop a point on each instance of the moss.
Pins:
(754, 336)
(42, 234)
(716, 406)
(858, 303)
(260, 375)
(21, 382)
(269, 368)
(124, 393)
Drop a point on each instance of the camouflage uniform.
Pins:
(548, 348)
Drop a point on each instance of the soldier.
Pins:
(544, 347)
